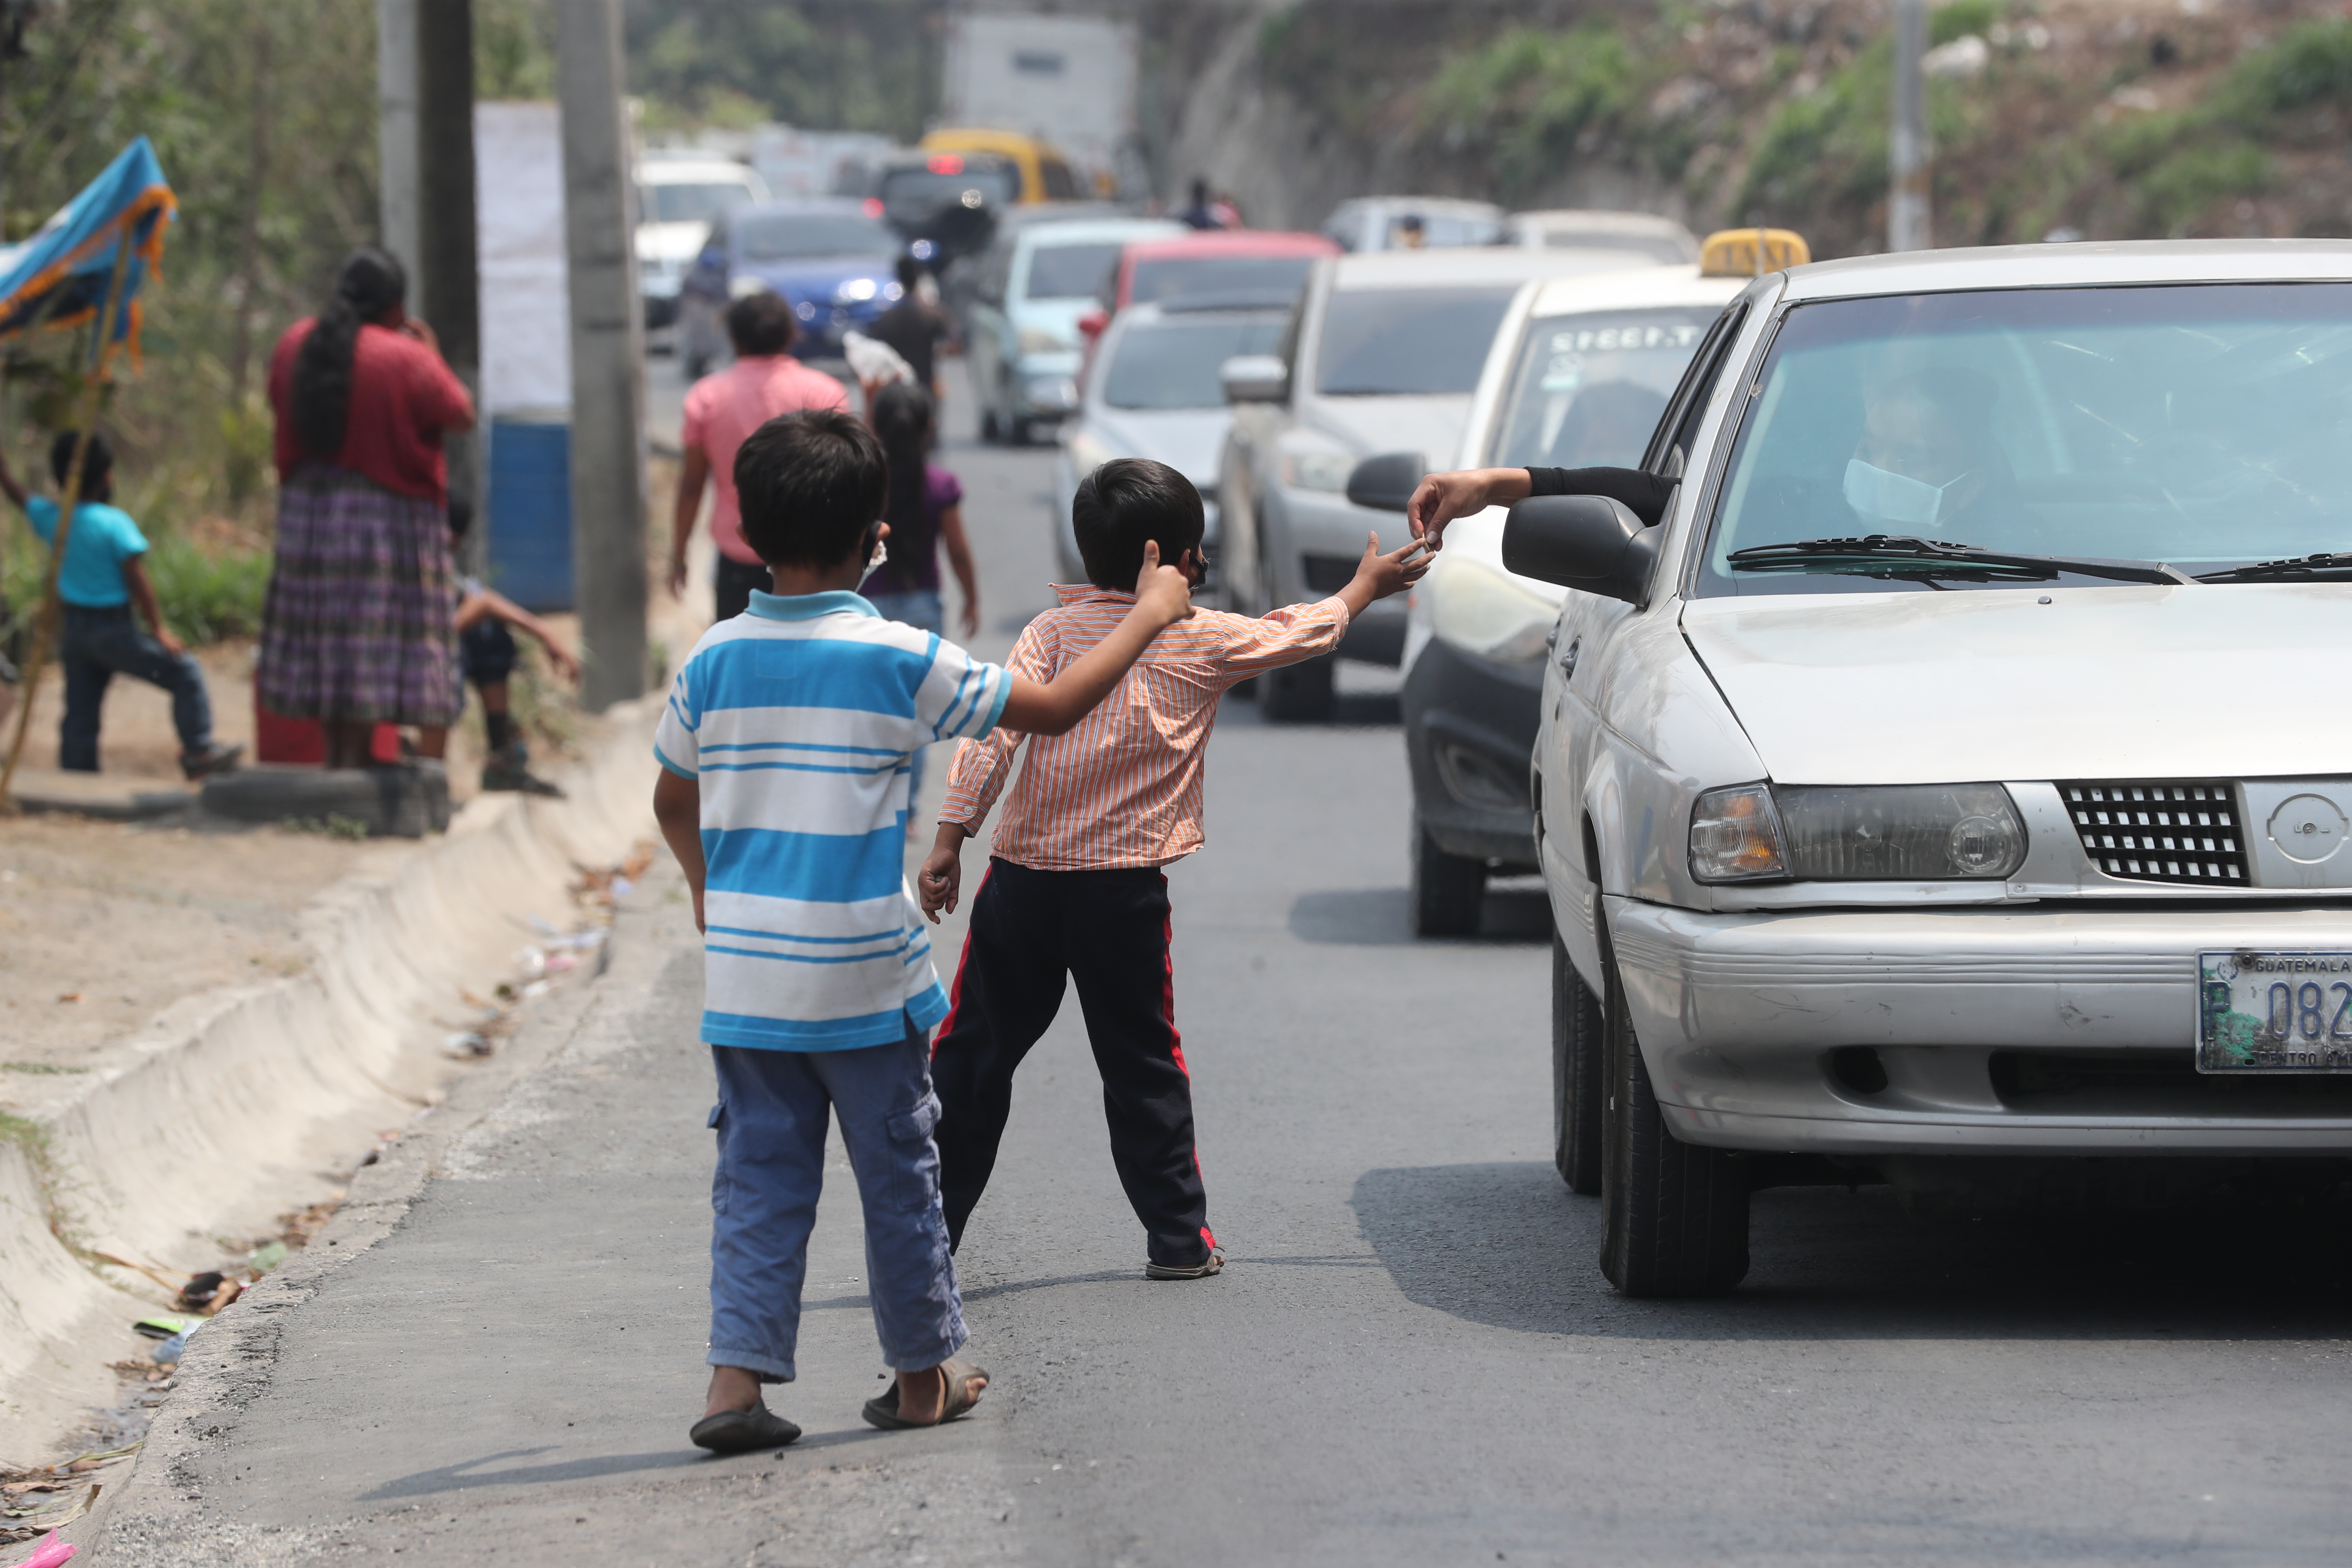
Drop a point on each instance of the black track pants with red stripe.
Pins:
(1109, 930)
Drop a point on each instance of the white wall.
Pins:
(526, 298)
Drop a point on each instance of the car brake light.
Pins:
(874, 206)
(945, 163)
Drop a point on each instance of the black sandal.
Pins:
(882, 1410)
(744, 1431)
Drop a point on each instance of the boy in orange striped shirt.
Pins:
(1074, 885)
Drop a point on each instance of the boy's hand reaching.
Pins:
(1378, 576)
(1163, 592)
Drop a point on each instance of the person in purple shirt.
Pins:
(925, 512)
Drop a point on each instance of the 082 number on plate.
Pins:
(2274, 1012)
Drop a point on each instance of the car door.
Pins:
(1245, 472)
(984, 331)
(1577, 681)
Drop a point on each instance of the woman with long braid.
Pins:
(357, 630)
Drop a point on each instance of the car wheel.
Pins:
(1021, 433)
(1299, 693)
(1448, 891)
(1675, 1215)
(1577, 1066)
(990, 432)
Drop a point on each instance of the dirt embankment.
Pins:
(2108, 118)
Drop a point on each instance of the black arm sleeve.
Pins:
(1643, 493)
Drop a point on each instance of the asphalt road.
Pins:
(1411, 1359)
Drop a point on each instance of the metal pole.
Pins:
(44, 623)
(608, 482)
(1907, 216)
(448, 291)
(396, 104)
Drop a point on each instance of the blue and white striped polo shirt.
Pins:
(799, 719)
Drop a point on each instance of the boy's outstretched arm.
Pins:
(1163, 596)
(489, 603)
(677, 807)
(1377, 575)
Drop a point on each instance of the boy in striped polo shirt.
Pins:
(1074, 884)
(785, 751)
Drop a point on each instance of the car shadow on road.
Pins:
(1382, 917)
(1507, 1245)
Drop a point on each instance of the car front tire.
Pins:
(1578, 1064)
(1448, 891)
(1675, 1214)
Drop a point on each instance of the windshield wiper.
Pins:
(2337, 568)
(1896, 554)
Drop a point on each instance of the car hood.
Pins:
(1371, 426)
(671, 241)
(817, 278)
(2130, 682)
(1189, 440)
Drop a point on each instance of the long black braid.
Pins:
(371, 282)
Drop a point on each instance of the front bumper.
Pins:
(2044, 1030)
(1469, 728)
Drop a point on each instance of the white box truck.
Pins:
(1067, 81)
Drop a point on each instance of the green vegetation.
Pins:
(1527, 97)
(2179, 163)
(207, 596)
(334, 825)
(842, 65)
(43, 1068)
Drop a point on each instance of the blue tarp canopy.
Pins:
(58, 278)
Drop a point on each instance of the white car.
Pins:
(1579, 375)
(1380, 358)
(1022, 342)
(677, 198)
(1152, 391)
(1944, 791)
(1587, 229)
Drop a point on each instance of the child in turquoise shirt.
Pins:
(104, 576)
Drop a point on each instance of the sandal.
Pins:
(882, 1410)
(744, 1431)
(1212, 1263)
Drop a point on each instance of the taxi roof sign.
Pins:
(1751, 252)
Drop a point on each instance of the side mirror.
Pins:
(1590, 543)
(1386, 483)
(1091, 324)
(1254, 378)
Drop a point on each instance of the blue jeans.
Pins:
(771, 1118)
(97, 645)
(919, 608)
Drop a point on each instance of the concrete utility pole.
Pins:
(1908, 217)
(446, 290)
(395, 107)
(608, 474)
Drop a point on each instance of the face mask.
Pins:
(1874, 493)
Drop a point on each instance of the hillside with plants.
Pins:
(2191, 117)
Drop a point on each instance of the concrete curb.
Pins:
(157, 1517)
(239, 1098)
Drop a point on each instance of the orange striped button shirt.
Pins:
(1124, 787)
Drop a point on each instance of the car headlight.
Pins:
(856, 290)
(1053, 393)
(1326, 471)
(1848, 833)
(1087, 452)
(1037, 341)
(1479, 610)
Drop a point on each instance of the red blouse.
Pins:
(402, 396)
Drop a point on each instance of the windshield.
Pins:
(1588, 389)
(914, 192)
(1174, 276)
(1070, 271)
(1175, 366)
(786, 235)
(694, 203)
(2206, 426)
(1404, 342)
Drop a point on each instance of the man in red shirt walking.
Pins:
(720, 411)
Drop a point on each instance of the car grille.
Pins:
(2180, 831)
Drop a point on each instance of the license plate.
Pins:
(2274, 1012)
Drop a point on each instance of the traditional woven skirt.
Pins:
(357, 626)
